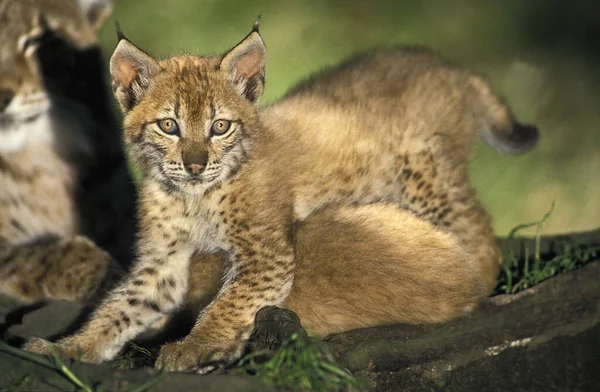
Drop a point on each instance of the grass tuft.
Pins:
(518, 274)
(136, 356)
(301, 363)
(68, 374)
(57, 364)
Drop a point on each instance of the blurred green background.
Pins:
(543, 56)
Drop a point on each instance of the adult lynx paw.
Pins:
(81, 268)
(194, 355)
(66, 348)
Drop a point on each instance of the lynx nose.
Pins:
(194, 157)
(194, 168)
(6, 97)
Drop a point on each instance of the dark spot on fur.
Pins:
(16, 225)
(125, 318)
(171, 282)
(152, 305)
(25, 288)
(148, 271)
(168, 298)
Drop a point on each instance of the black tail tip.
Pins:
(524, 137)
(517, 139)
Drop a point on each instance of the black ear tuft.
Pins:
(132, 70)
(245, 65)
(256, 24)
(120, 34)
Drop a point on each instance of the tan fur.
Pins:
(360, 266)
(45, 145)
(348, 201)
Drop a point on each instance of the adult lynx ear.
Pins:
(245, 64)
(96, 11)
(131, 70)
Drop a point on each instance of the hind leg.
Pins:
(435, 185)
(471, 223)
(361, 266)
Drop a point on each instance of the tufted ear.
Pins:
(132, 70)
(96, 11)
(245, 64)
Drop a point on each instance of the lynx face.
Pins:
(189, 121)
(44, 43)
(195, 138)
(23, 99)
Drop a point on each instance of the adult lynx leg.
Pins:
(69, 268)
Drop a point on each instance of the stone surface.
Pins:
(543, 339)
(44, 378)
(52, 319)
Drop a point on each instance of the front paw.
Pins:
(196, 355)
(66, 348)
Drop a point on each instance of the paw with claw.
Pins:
(67, 348)
(196, 355)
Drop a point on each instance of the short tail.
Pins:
(499, 129)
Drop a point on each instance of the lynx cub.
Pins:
(348, 201)
(54, 149)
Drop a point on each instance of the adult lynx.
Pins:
(66, 198)
(347, 200)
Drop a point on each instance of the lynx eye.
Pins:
(219, 127)
(168, 126)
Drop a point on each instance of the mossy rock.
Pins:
(541, 339)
